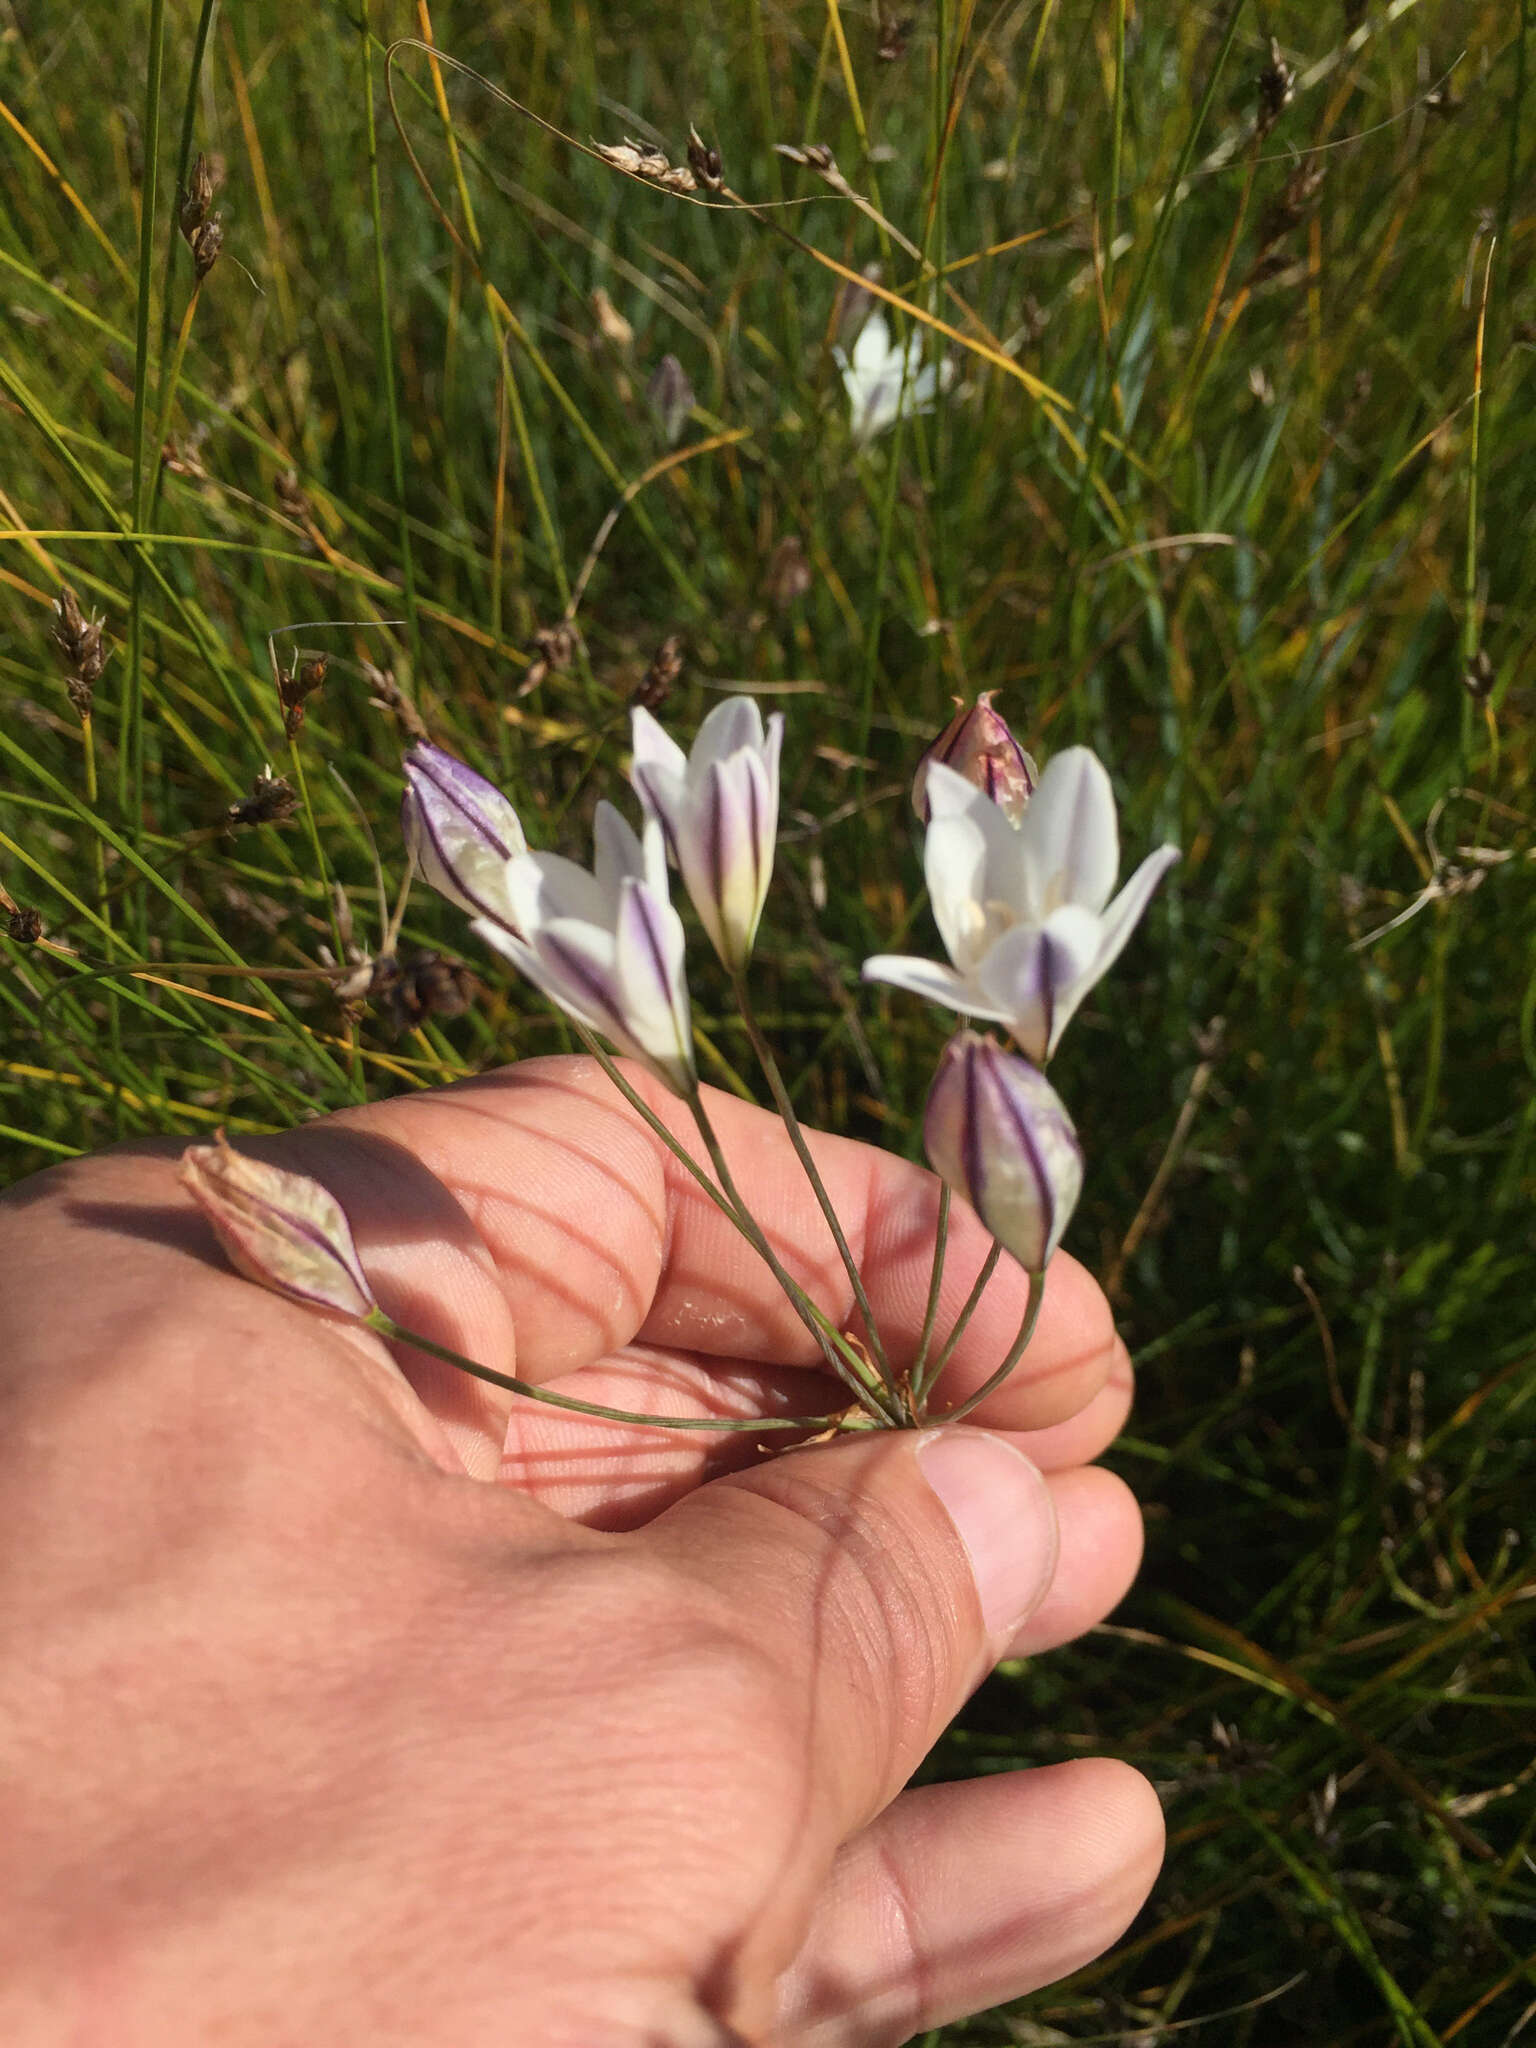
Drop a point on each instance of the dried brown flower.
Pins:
(197, 198)
(206, 244)
(297, 683)
(25, 925)
(1277, 88)
(272, 801)
(704, 161)
(406, 992)
(655, 686)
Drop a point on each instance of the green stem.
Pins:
(820, 1325)
(920, 1392)
(842, 1362)
(1015, 1353)
(935, 1285)
(775, 1079)
(386, 1326)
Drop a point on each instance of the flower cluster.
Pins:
(1021, 869)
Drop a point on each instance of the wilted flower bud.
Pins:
(462, 833)
(671, 394)
(205, 244)
(198, 199)
(998, 1133)
(282, 1230)
(978, 744)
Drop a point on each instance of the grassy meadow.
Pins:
(1232, 481)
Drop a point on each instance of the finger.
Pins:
(613, 1476)
(1100, 1555)
(885, 1576)
(961, 1896)
(595, 1235)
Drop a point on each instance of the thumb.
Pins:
(881, 1578)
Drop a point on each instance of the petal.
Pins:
(1070, 838)
(1036, 975)
(936, 984)
(952, 795)
(616, 854)
(732, 725)
(653, 747)
(652, 988)
(872, 347)
(545, 885)
(1125, 913)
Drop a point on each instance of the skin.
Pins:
(360, 1702)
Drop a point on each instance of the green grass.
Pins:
(1327, 1666)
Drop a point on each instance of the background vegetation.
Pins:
(1233, 483)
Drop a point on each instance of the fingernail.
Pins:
(1003, 1514)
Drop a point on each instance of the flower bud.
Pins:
(979, 745)
(282, 1230)
(998, 1133)
(461, 831)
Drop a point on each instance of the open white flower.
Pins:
(718, 806)
(461, 831)
(1024, 910)
(885, 383)
(605, 946)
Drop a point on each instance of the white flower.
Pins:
(606, 947)
(999, 1134)
(461, 831)
(718, 806)
(884, 382)
(1022, 909)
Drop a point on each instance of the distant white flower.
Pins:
(718, 806)
(1022, 908)
(605, 946)
(885, 383)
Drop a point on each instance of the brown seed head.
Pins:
(198, 198)
(1478, 678)
(206, 244)
(704, 161)
(1277, 88)
(655, 686)
(272, 801)
(25, 925)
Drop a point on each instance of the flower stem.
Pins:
(728, 1201)
(935, 1285)
(842, 1361)
(1015, 1353)
(786, 1109)
(386, 1326)
(921, 1392)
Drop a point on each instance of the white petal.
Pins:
(1125, 913)
(732, 725)
(653, 747)
(616, 853)
(1037, 975)
(545, 885)
(872, 347)
(936, 984)
(1069, 835)
(576, 966)
(952, 795)
(653, 992)
(955, 864)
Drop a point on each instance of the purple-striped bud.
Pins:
(979, 744)
(282, 1230)
(461, 832)
(998, 1133)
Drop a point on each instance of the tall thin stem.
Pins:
(864, 1390)
(1015, 1353)
(386, 1326)
(786, 1109)
(935, 1285)
(920, 1391)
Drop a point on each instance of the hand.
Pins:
(313, 1736)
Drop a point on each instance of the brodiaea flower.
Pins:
(718, 806)
(606, 946)
(978, 743)
(1024, 910)
(999, 1134)
(885, 383)
(461, 831)
(283, 1230)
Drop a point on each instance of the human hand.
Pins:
(319, 1739)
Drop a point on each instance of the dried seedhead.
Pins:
(1477, 680)
(788, 575)
(655, 686)
(295, 685)
(405, 993)
(1277, 88)
(385, 694)
(197, 199)
(79, 641)
(292, 498)
(25, 925)
(205, 246)
(272, 801)
(704, 161)
(640, 160)
(1294, 204)
(557, 650)
(894, 34)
